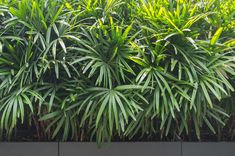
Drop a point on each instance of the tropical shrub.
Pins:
(115, 70)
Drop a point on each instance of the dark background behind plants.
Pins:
(115, 70)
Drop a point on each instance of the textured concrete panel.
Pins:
(28, 149)
(121, 149)
(208, 149)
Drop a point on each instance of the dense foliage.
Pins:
(116, 69)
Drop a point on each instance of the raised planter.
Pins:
(117, 149)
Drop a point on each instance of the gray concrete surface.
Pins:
(117, 149)
(208, 149)
(120, 149)
(28, 149)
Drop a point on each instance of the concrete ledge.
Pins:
(117, 149)
(28, 149)
(208, 149)
(121, 149)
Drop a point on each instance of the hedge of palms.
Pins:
(105, 69)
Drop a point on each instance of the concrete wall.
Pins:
(118, 149)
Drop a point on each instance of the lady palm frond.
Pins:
(104, 54)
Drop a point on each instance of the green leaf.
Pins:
(209, 124)
(206, 94)
(101, 110)
(50, 116)
(139, 61)
(128, 87)
(216, 36)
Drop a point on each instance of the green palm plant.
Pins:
(190, 75)
(107, 69)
